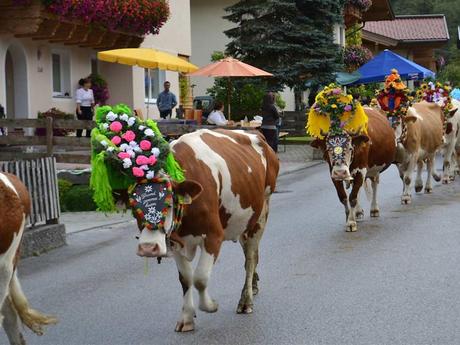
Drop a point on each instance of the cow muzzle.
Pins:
(149, 250)
(341, 174)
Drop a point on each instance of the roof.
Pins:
(380, 10)
(412, 28)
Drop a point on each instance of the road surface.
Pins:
(395, 281)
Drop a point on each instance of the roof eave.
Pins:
(380, 39)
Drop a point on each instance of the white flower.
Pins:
(150, 175)
(141, 128)
(131, 153)
(131, 121)
(124, 117)
(137, 149)
(110, 149)
(124, 147)
(127, 163)
(105, 126)
(156, 151)
(132, 144)
(149, 132)
(144, 167)
(111, 116)
(104, 143)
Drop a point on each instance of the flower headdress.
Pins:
(126, 149)
(435, 92)
(335, 112)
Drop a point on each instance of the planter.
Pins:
(352, 15)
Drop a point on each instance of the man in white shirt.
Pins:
(85, 104)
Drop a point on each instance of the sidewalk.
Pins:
(296, 157)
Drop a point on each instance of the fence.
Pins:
(66, 149)
(39, 176)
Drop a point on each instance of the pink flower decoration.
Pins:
(138, 172)
(152, 160)
(142, 160)
(348, 108)
(124, 155)
(116, 126)
(129, 136)
(146, 145)
(116, 140)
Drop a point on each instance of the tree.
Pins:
(296, 47)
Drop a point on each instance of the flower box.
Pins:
(352, 15)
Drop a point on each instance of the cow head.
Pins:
(153, 243)
(339, 150)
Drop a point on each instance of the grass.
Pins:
(298, 140)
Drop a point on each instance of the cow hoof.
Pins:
(209, 307)
(352, 227)
(406, 200)
(428, 190)
(446, 180)
(244, 309)
(185, 326)
(418, 189)
(437, 178)
(360, 215)
(375, 213)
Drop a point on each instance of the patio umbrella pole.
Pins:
(229, 96)
(149, 83)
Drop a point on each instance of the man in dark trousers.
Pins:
(166, 101)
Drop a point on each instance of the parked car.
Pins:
(205, 103)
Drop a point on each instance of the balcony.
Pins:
(35, 22)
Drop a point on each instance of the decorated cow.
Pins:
(205, 188)
(14, 307)
(358, 144)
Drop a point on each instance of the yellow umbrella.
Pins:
(147, 58)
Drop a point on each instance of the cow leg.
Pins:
(447, 163)
(375, 210)
(200, 280)
(359, 210)
(406, 170)
(342, 194)
(430, 172)
(11, 323)
(250, 244)
(419, 180)
(184, 266)
(352, 226)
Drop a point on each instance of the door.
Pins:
(9, 76)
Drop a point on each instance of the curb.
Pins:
(307, 166)
(102, 226)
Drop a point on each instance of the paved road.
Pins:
(396, 281)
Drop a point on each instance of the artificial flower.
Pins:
(116, 140)
(124, 155)
(131, 121)
(145, 145)
(152, 160)
(124, 117)
(142, 160)
(129, 136)
(111, 116)
(104, 143)
(141, 127)
(124, 147)
(144, 167)
(156, 151)
(150, 175)
(149, 132)
(116, 126)
(110, 149)
(127, 163)
(138, 172)
(131, 153)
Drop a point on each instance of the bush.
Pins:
(100, 89)
(64, 187)
(78, 199)
(55, 114)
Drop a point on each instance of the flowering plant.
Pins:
(436, 93)
(127, 150)
(56, 114)
(335, 112)
(100, 89)
(355, 56)
(363, 5)
(140, 17)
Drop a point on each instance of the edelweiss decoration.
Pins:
(394, 98)
(436, 93)
(125, 151)
(335, 112)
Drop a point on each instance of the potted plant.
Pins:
(55, 114)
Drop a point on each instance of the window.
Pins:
(61, 74)
(153, 84)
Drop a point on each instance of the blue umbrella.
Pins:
(455, 94)
(380, 66)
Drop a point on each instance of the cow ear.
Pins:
(189, 190)
(452, 112)
(410, 118)
(317, 144)
(359, 139)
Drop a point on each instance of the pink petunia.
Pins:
(129, 136)
(116, 126)
(116, 140)
(138, 172)
(123, 155)
(146, 145)
(142, 160)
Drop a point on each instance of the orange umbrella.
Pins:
(230, 67)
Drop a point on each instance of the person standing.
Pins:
(270, 120)
(166, 101)
(85, 104)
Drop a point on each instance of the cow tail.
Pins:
(33, 319)
(368, 188)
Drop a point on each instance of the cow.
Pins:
(420, 138)
(14, 306)
(229, 178)
(452, 140)
(354, 158)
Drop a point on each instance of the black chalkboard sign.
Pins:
(149, 201)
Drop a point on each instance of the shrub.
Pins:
(55, 114)
(78, 199)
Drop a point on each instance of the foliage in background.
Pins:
(75, 198)
(140, 17)
(184, 86)
(363, 5)
(354, 35)
(451, 73)
(295, 46)
(364, 93)
(356, 56)
(55, 114)
(246, 93)
(100, 89)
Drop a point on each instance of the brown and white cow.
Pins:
(452, 140)
(353, 159)
(14, 306)
(230, 176)
(420, 138)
